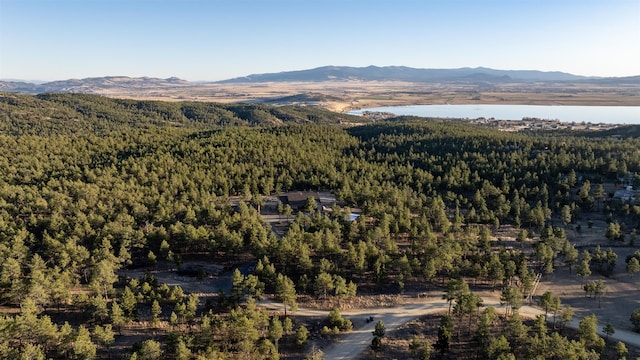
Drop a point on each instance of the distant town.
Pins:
(527, 123)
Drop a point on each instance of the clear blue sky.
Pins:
(220, 39)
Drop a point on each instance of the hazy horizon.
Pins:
(39, 81)
(195, 40)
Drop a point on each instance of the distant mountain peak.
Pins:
(174, 79)
(408, 74)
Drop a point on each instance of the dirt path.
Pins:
(354, 343)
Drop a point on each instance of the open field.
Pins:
(348, 95)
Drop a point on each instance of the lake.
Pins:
(588, 114)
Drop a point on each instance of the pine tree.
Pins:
(39, 281)
(150, 350)
(275, 330)
(499, 348)
(83, 347)
(156, 310)
(621, 350)
(117, 316)
(237, 286)
(584, 267)
(379, 330)
(182, 351)
(376, 345)
(608, 330)
(129, 303)
(286, 292)
(445, 333)
(287, 325)
(588, 333)
(191, 307)
(323, 284)
(301, 335)
(103, 277)
(633, 265)
(104, 336)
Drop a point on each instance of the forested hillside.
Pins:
(52, 113)
(91, 185)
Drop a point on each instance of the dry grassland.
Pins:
(343, 96)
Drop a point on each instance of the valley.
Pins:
(342, 89)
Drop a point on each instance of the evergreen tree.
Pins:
(286, 292)
(323, 284)
(608, 330)
(635, 319)
(499, 348)
(103, 277)
(379, 329)
(511, 297)
(117, 316)
(150, 350)
(445, 333)
(83, 347)
(275, 330)
(182, 351)
(301, 335)
(129, 303)
(237, 286)
(584, 267)
(588, 334)
(621, 350)
(156, 310)
(104, 336)
(633, 266)
(376, 345)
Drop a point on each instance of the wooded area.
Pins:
(91, 185)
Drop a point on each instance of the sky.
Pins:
(208, 40)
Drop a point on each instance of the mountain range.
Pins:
(403, 73)
(479, 75)
(93, 85)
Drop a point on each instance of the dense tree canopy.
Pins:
(91, 185)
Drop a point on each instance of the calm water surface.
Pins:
(588, 114)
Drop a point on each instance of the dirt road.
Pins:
(354, 343)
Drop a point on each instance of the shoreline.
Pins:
(515, 99)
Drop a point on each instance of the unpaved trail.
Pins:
(353, 344)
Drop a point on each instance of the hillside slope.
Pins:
(54, 111)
